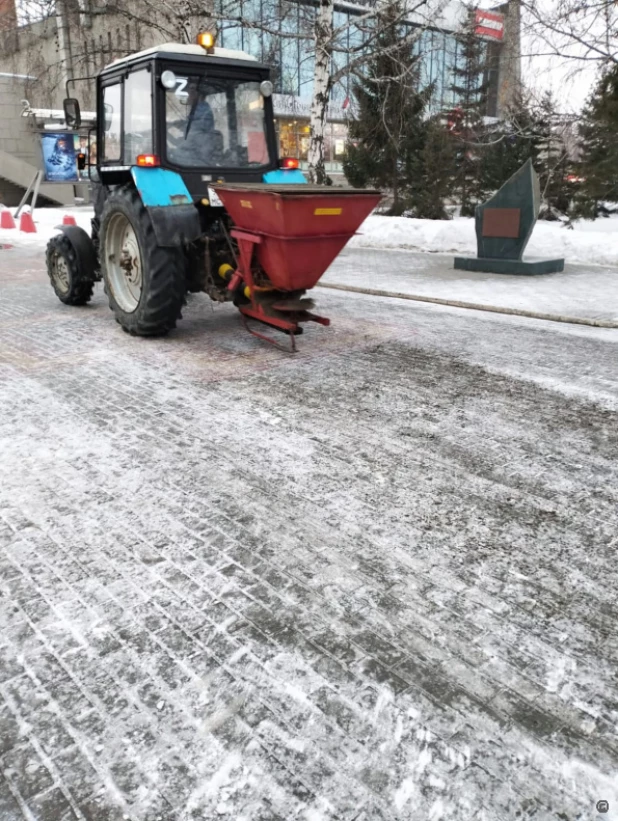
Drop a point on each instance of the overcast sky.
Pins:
(570, 82)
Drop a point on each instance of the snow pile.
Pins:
(46, 221)
(588, 242)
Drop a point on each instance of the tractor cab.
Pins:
(203, 112)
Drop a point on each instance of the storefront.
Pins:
(292, 124)
(294, 140)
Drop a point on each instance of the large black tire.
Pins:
(156, 284)
(72, 285)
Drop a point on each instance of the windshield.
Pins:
(214, 122)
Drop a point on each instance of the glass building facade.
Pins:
(280, 34)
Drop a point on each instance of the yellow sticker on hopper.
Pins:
(327, 212)
(246, 204)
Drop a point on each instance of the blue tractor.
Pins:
(172, 121)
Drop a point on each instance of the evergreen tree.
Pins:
(599, 141)
(386, 139)
(437, 172)
(469, 89)
(552, 161)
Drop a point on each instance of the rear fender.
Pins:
(84, 249)
(175, 219)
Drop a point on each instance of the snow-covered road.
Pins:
(376, 580)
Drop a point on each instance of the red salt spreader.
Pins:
(287, 236)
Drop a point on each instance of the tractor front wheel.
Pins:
(144, 282)
(72, 285)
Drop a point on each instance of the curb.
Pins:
(474, 306)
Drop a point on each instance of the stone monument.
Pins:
(503, 227)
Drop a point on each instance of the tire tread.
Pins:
(81, 284)
(163, 271)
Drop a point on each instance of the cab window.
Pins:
(215, 122)
(112, 97)
(137, 115)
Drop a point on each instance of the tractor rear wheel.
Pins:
(72, 285)
(144, 282)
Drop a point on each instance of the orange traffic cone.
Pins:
(26, 223)
(6, 218)
(68, 220)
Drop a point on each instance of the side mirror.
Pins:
(72, 114)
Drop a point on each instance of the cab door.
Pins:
(137, 115)
(125, 128)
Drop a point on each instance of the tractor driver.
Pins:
(198, 143)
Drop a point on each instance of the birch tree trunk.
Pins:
(321, 90)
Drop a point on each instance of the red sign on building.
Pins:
(489, 24)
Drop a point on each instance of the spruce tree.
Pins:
(552, 161)
(469, 89)
(437, 172)
(599, 141)
(386, 139)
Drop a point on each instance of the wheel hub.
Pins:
(130, 263)
(124, 263)
(60, 273)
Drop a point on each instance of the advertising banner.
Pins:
(60, 150)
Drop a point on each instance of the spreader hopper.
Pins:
(287, 237)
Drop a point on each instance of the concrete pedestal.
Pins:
(509, 266)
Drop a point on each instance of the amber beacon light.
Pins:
(206, 39)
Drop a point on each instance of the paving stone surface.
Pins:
(373, 581)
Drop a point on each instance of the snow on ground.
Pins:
(46, 221)
(371, 582)
(588, 242)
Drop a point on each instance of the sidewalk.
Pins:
(583, 291)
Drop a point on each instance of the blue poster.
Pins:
(59, 160)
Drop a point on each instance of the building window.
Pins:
(232, 37)
(291, 57)
(293, 138)
(305, 69)
(339, 137)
